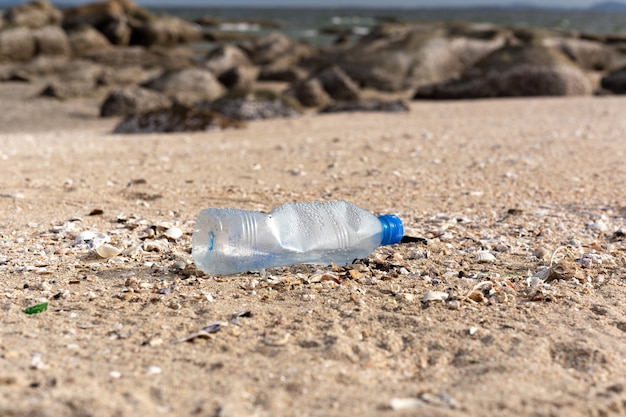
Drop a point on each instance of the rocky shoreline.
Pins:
(145, 67)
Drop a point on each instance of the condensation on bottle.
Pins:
(229, 241)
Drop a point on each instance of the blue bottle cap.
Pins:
(393, 230)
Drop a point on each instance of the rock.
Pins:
(224, 58)
(41, 66)
(268, 48)
(87, 40)
(586, 54)
(128, 75)
(311, 93)
(188, 85)
(118, 32)
(283, 73)
(515, 70)
(7, 70)
(93, 14)
(114, 19)
(165, 31)
(177, 118)
(167, 59)
(239, 78)
(396, 57)
(328, 84)
(366, 106)
(132, 100)
(51, 40)
(252, 106)
(276, 48)
(17, 44)
(64, 90)
(79, 79)
(615, 81)
(337, 84)
(35, 14)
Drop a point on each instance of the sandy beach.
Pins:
(539, 183)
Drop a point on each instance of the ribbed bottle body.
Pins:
(230, 241)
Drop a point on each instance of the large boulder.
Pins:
(132, 100)
(7, 70)
(252, 106)
(515, 70)
(114, 19)
(17, 44)
(224, 58)
(282, 73)
(338, 84)
(615, 81)
(277, 48)
(41, 66)
(311, 93)
(165, 31)
(188, 86)
(241, 78)
(86, 40)
(51, 40)
(329, 84)
(35, 14)
(97, 14)
(396, 57)
(167, 59)
(118, 32)
(65, 90)
(588, 54)
(80, 79)
(177, 118)
(127, 75)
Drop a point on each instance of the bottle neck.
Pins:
(393, 230)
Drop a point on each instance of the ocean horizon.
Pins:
(321, 25)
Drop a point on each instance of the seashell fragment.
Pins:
(434, 296)
(485, 256)
(155, 246)
(173, 233)
(597, 225)
(402, 404)
(84, 237)
(107, 251)
(540, 276)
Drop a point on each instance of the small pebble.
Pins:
(153, 370)
(107, 251)
(173, 233)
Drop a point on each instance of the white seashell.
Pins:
(132, 251)
(484, 256)
(401, 404)
(173, 233)
(435, 296)
(99, 240)
(406, 297)
(598, 225)
(84, 237)
(155, 245)
(107, 251)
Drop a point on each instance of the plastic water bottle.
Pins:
(227, 241)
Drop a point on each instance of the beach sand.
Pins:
(538, 182)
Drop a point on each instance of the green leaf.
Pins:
(38, 308)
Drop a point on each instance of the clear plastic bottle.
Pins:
(227, 241)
